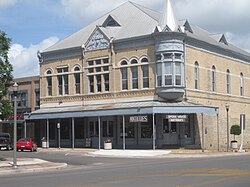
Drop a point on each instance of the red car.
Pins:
(26, 144)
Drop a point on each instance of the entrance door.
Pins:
(170, 132)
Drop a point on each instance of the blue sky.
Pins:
(37, 24)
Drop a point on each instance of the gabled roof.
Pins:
(135, 20)
(220, 38)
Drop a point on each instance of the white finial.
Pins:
(168, 17)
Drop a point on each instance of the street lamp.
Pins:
(227, 109)
(15, 89)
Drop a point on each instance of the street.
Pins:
(86, 171)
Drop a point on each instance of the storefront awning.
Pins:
(115, 109)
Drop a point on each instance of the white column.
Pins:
(218, 131)
(203, 133)
(99, 129)
(73, 132)
(47, 133)
(154, 137)
(123, 132)
(25, 129)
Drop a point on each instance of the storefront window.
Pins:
(79, 129)
(129, 129)
(146, 130)
(107, 128)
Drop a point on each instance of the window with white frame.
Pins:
(196, 75)
(145, 72)
(49, 83)
(228, 81)
(213, 78)
(62, 79)
(77, 80)
(134, 73)
(170, 69)
(124, 75)
(98, 74)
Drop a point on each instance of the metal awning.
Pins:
(115, 109)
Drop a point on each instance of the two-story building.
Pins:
(28, 100)
(143, 79)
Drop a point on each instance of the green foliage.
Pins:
(6, 76)
(235, 130)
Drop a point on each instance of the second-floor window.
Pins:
(228, 81)
(170, 69)
(241, 84)
(124, 75)
(49, 83)
(134, 72)
(77, 80)
(196, 75)
(62, 78)
(213, 79)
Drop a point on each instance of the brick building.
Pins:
(143, 80)
(28, 100)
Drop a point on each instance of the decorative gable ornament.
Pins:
(97, 41)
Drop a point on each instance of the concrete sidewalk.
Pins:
(178, 153)
(26, 165)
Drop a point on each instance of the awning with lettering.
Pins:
(116, 109)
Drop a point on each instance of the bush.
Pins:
(235, 130)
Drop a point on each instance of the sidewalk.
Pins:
(26, 165)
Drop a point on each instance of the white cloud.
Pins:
(24, 60)
(6, 3)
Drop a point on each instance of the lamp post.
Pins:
(227, 109)
(15, 89)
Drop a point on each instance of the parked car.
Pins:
(5, 141)
(26, 144)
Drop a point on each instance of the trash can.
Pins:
(108, 144)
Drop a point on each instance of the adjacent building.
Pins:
(142, 79)
(28, 100)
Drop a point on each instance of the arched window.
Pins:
(213, 79)
(49, 82)
(63, 80)
(124, 75)
(134, 74)
(145, 73)
(196, 75)
(241, 84)
(77, 80)
(228, 81)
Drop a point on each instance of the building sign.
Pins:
(135, 119)
(177, 118)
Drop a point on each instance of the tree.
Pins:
(235, 130)
(6, 76)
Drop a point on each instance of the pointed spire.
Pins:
(168, 17)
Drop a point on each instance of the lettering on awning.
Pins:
(136, 119)
(177, 118)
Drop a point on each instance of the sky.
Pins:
(37, 24)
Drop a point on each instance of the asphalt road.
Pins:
(111, 172)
